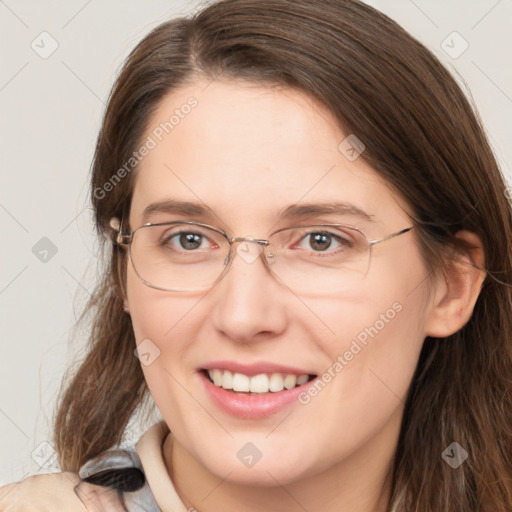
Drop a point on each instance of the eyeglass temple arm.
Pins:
(392, 235)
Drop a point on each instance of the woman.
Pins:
(310, 249)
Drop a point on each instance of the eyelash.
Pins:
(343, 242)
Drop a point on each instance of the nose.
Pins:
(248, 303)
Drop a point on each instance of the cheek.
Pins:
(164, 327)
(371, 364)
(376, 335)
(363, 322)
(158, 315)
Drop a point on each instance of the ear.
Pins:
(115, 224)
(457, 288)
(124, 296)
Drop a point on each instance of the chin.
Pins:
(266, 473)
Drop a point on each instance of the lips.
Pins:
(253, 391)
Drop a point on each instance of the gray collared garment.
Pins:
(116, 479)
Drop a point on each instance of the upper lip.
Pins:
(255, 368)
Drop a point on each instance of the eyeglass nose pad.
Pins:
(249, 250)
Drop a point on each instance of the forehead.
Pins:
(248, 152)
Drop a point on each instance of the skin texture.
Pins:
(247, 152)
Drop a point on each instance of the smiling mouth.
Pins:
(256, 384)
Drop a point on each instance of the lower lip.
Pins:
(251, 406)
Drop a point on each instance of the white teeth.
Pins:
(240, 382)
(302, 380)
(262, 383)
(216, 376)
(290, 381)
(276, 382)
(227, 380)
(259, 383)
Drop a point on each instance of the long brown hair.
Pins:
(421, 134)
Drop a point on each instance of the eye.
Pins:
(323, 241)
(186, 240)
(190, 241)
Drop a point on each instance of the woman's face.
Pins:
(245, 154)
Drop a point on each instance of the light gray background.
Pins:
(51, 112)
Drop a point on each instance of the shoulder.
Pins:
(58, 492)
(113, 481)
(48, 492)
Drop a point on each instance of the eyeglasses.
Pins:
(308, 259)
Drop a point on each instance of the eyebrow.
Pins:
(294, 211)
(315, 209)
(178, 207)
